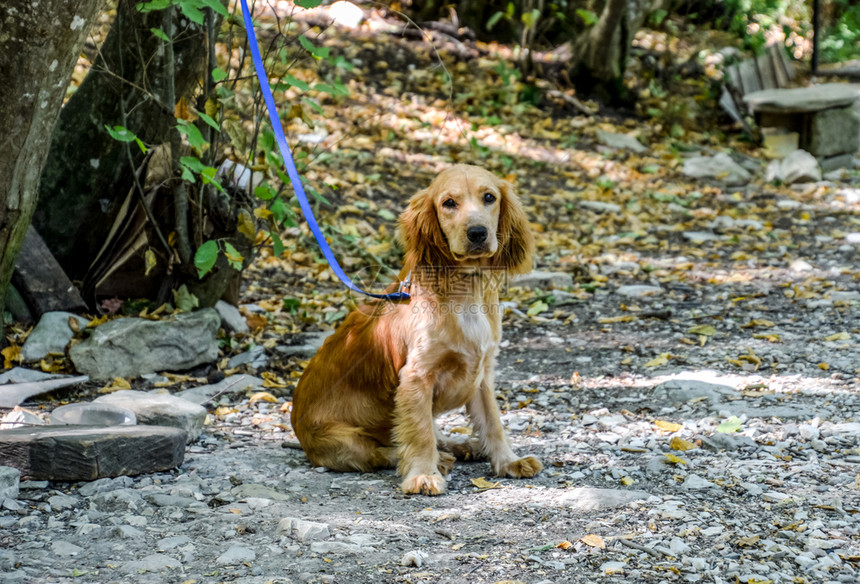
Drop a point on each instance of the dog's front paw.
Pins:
(424, 484)
(527, 466)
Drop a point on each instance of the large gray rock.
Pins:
(51, 335)
(799, 166)
(835, 131)
(129, 347)
(720, 167)
(160, 409)
(620, 141)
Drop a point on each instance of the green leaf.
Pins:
(387, 215)
(209, 120)
(292, 304)
(205, 256)
(587, 16)
(121, 133)
(318, 52)
(234, 258)
(192, 133)
(193, 163)
(218, 75)
(160, 34)
(730, 426)
(215, 5)
(308, 3)
(530, 18)
(297, 83)
(494, 19)
(265, 191)
(191, 10)
(537, 307)
(185, 300)
(313, 103)
(152, 5)
(277, 244)
(279, 210)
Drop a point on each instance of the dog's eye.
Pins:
(450, 204)
(489, 198)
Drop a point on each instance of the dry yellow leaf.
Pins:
(97, 321)
(287, 406)
(484, 485)
(759, 322)
(661, 359)
(703, 329)
(824, 366)
(626, 481)
(272, 380)
(51, 366)
(747, 541)
(149, 261)
(11, 354)
(843, 336)
(675, 459)
(222, 411)
(667, 426)
(262, 213)
(564, 545)
(678, 443)
(594, 541)
(612, 319)
(262, 396)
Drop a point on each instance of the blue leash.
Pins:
(291, 166)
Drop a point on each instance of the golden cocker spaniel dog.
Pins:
(369, 397)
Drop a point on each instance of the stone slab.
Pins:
(85, 453)
(803, 99)
(159, 409)
(14, 393)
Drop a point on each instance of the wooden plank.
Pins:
(85, 453)
(41, 281)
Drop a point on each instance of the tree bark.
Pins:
(39, 46)
(90, 173)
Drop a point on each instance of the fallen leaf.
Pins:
(678, 443)
(824, 366)
(747, 541)
(564, 545)
(661, 359)
(759, 322)
(703, 329)
(485, 485)
(11, 354)
(262, 396)
(537, 307)
(626, 481)
(730, 426)
(612, 319)
(843, 336)
(594, 541)
(667, 426)
(675, 459)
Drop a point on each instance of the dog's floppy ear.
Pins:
(516, 243)
(420, 233)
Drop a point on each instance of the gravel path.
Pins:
(642, 484)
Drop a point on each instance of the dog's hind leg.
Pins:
(347, 448)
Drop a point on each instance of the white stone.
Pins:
(302, 530)
(721, 167)
(639, 291)
(160, 409)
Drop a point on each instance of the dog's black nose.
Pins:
(477, 233)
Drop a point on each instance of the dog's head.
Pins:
(467, 216)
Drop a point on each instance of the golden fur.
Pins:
(369, 397)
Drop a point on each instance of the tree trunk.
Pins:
(90, 173)
(39, 45)
(600, 57)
